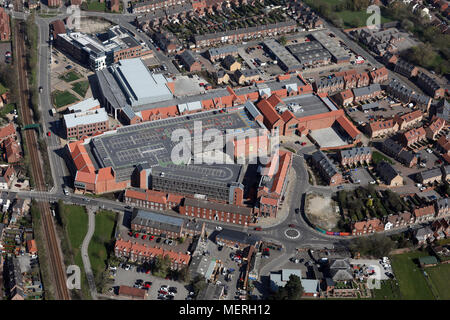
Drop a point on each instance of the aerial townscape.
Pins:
(224, 150)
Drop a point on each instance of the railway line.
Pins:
(54, 254)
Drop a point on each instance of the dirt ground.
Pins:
(320, 210)
(90, 25)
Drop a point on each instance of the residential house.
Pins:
(379, 75)
(425, 213)
(366, 93)
(412, 136)
(382, 127)
(409, 119)
(329, 85)
(434, 128)
(441, 228)
(423, 234)
(190, 61)
(405, 68)
(215, 54)
(326, 168)
(430, 85)
(430, 176)
(231, 64)
(442, 207)
(311, 287)
(397, 151)
(221, 77)
(247, 76)
(389, 175)
(355, 156)
(344, 98)
(145, 253)
(366, 227)
(398, 220)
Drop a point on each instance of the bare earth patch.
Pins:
(321, 211)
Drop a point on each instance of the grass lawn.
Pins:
(96, 6)
(62, 98)
(377, 157)
(389, 291)
(349, 18)
(76, 223)
(104, 230)
(70, 76)
(412, 282)
(81, 87)
(440, 277)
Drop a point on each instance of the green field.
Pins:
(377, 157)
(440, 277)
(70, 76)
(412, 282)
(98, 247)
(389, 291)
(81, 87)
(352, 19)
(63, 98)
(75, 222)
(96, 6)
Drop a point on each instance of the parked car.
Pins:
(258, 229)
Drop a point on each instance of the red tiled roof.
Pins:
(423, 211)
(348, 127)
(444, 143)
(132, 292)
(7, 131)
(285, 159)
(414, 133)
(268, 111)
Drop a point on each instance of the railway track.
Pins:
(55, 258)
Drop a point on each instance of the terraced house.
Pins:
(434, 128)
(442, 207)
(365, 227)
(430, 85)
(326, 168)
(398, 220)
(355, 156)
(382, 127)
(425, 213)
(409, 119)
(397, 151)
(412, 136)
(143, 253)
(430, 176)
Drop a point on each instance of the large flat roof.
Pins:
(84, 118)
(141, 85)
(150, 143)
(310, 104)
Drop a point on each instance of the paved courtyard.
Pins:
(327, 137)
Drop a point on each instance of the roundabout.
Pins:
(292, 233)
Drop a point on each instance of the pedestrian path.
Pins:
(84, 251)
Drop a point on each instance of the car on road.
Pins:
(292, 225)
(297, 210)
(219, 228)
(340, 187)
(49, 133)
(40, 89)
(258, 229)
(127, 267)
(127, 207)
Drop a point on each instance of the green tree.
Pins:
(282, 40)
(198, 284)
(376, 245)
(293, 290)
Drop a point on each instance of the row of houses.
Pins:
(429, 84)
(434, 175)
(393, 125)
(351, 79)
(419, 215)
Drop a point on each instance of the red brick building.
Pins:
(422, 214)
(412, 136)
(379, 75)
(344, 98)
(409, 119)
(144, 253)
(210, 210)
(365, 227)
